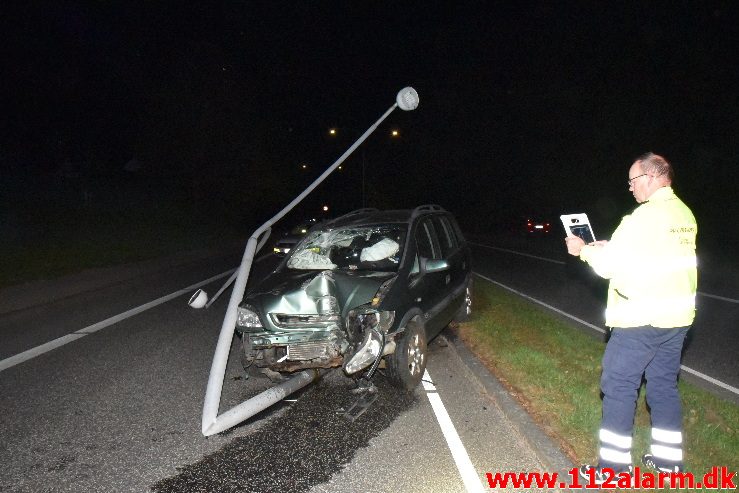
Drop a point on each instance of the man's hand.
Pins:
(574, 245)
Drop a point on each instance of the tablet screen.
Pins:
(583, 231)
(578, 225)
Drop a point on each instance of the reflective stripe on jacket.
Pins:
(651, 263)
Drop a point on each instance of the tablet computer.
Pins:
(578, 225)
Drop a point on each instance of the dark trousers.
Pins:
(631, 353)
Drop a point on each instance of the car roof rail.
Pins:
(353, 213)
(427, 208)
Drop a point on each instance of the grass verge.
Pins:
(553, 370)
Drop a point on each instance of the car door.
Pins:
(457, 258)
(428, 289)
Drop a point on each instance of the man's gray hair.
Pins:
(656, 165)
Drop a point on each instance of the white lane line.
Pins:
(698, 374)
(61, 341)
(517, 253)
(716, 297)
(545, 259)
(456, 447)
(519, 293)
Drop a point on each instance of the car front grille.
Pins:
(307, 350)
(311, 320)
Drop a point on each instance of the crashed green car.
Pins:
(365, 287)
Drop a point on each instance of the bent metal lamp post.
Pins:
(407, 100)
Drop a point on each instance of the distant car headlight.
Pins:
(247, 318)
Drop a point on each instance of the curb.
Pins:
(547, 451)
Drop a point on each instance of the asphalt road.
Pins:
(119, 408)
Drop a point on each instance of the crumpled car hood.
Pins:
(296, 291)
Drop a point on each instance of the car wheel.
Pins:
(405, 367)
(465, 311)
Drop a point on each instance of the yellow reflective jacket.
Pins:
(651, 263)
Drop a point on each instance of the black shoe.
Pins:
(601, 476)
(664, 466)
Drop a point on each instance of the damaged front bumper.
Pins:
(291, 329)
(294, 350)
(289, 351)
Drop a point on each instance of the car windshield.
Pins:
(378, 247)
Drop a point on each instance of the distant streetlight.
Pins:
(394, 133)
(325, 208)
(304, 166)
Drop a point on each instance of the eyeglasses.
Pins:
(634, 178)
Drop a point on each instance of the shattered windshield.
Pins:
(378, 247)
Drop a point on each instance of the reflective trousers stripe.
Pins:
(615, 456)
(667, 436)
(611, 438)
(668, 453)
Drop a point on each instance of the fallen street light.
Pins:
(212, 422)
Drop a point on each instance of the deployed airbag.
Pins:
(383, 249)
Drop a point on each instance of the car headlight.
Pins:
(369, 350)
(382, 291)
(247, 318)
(366, 318)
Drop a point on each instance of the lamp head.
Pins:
(407, 99)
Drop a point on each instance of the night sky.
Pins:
(526, 107)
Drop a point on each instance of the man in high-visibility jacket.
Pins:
(651, 264)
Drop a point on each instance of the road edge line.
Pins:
(35, 351)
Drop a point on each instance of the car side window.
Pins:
(445, 233)
(426, 240)
(426, 243)
(457, 231)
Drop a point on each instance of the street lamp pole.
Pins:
(363, 164)
(212, 422)
(394, 134)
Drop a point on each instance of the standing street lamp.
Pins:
(394, 134)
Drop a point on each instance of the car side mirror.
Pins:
(433, 265)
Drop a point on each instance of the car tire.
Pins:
(465, 311)
(406, 366)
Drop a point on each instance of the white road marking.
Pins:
(698, 374)
(545, 259)
(717, 297)
(456, 447)
(61, 341)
